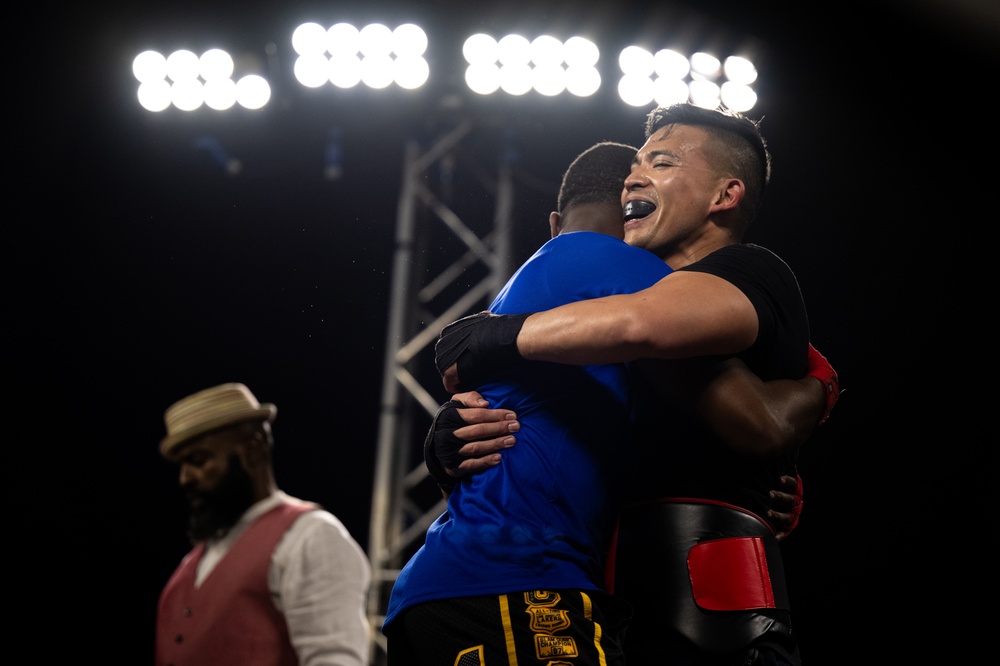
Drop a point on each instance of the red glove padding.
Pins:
(821, 369)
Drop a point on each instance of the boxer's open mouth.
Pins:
(633, 210)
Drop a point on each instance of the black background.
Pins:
(141, 272)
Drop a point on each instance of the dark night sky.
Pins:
(150, 274)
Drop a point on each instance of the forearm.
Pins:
(588, 332)
(763, 418)
(684, 315)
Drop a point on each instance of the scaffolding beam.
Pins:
(423, 298)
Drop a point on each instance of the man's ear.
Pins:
(731, 194)
(555, 223)
(252, 449)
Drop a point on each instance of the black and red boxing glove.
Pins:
(821, 369)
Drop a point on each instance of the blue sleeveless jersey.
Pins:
(543, 517)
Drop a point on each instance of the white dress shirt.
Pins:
(319, 579)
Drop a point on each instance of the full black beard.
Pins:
(221, 506)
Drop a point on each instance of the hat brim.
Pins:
(170, 444)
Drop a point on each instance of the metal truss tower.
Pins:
(431, 285)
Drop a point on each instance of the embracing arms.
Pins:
(684, 315)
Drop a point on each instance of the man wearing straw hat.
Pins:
(271, 579)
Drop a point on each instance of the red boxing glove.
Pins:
(821, 369)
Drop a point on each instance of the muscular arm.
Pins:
(767, 416)
(685, 314)
(751, 416)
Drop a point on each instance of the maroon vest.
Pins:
(231, 618)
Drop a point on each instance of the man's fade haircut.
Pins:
(597, 175)
(745, 149)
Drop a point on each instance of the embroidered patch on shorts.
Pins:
(549, 620)
(548, 647)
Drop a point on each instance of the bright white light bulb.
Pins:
(480, 48)
(311, 70)
(636, 90)
(187, 94)
(409, 40)
(376, 40)
(579, 51)
(667, 91)
(345, 70)
(705, 94)
(548, 80)
(252, 91)
(410, 72)
(220, 94)
(671, 64)
(215, 64)
(154, 95)
(483, 78)
(705, 65)
(343, 38)
(582, 81)
(546, 50)
(377, 70)
(514, 50)
(515, 79)
(737, 96)
(309, 39)
(636, 61)
(740, 70)
(182, 66)
(149, 66)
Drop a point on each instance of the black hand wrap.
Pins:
(441, 446)
(481, 344)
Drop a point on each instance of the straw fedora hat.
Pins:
(211, 409)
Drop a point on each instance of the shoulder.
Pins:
(322, 534)
(318, 523)
(741, 258)
(741, 252)
(761, 253)
(588, 239)
(759, 273)
(321, 519)
(312, 514)
(312, 517)
(602, 249)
